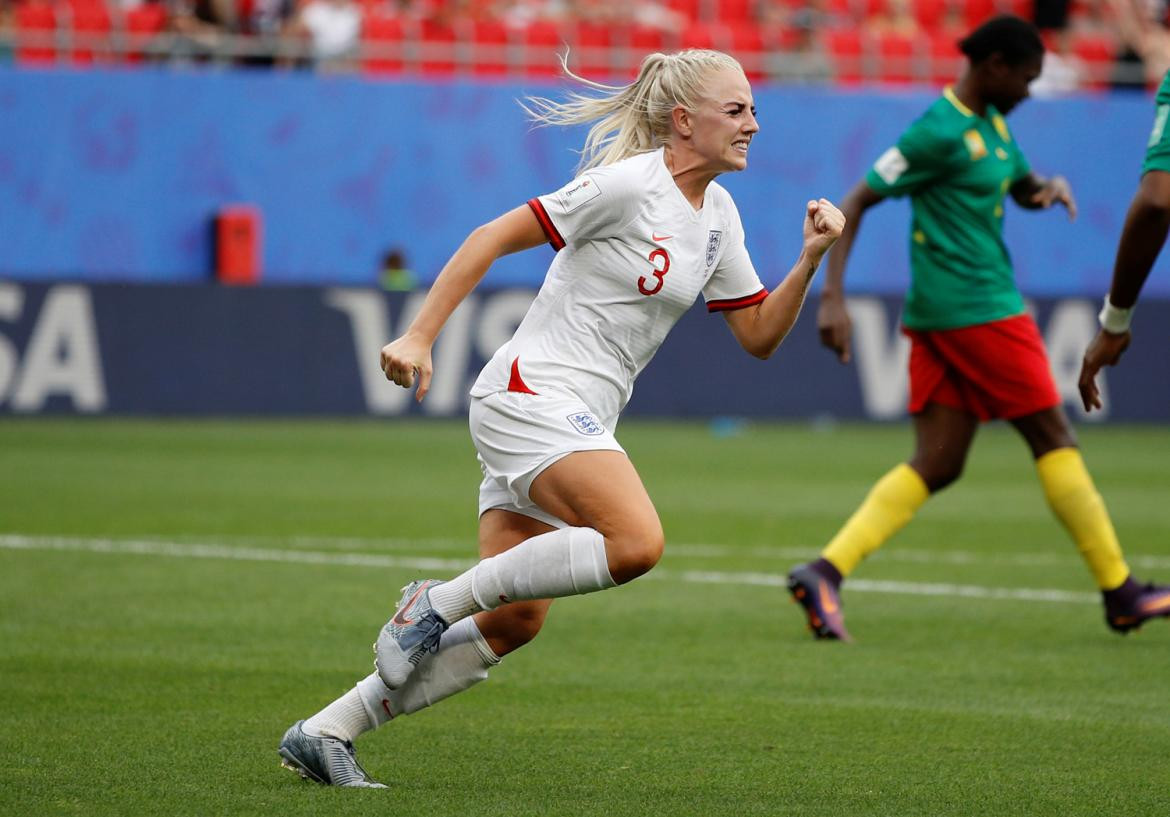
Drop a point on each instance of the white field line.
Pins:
(1060, 555)
(142, 547)
(1063, 554)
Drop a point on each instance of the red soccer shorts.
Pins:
(996, 370)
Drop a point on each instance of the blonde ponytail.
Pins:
(635, 118)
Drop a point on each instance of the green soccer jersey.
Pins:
(957, 168)
(1158, 148)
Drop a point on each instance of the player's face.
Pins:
(1010, 87)
(726, 121)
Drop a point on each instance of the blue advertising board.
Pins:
(112, 175)
(139, 349)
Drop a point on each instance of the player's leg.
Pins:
(511, 626)
(1075, 501)
(615, 537)
(321, 747)
(943, 437)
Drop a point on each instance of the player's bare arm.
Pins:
(1146, 226)
(410, 354)
(762, 328)
(1038, 193)
(833, 321)
(1104, 350)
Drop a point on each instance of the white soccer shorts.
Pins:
(518, 435)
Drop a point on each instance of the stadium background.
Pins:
(111, 180)
(196, 545)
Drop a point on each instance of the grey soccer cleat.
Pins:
(413, 631)
(329, 761)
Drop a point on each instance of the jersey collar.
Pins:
(949, 93)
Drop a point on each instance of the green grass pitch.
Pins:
(174, 594)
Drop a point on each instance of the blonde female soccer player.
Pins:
(639, 234)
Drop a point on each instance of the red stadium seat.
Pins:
(1098, 52)
(37, 19)
(930, 13)
(1020, 8)
(594, 56)
(142, 23)
(705, 35)
(840, 9)
(543, 43)
(946, 60)
(489, 48)
(687, 8)
(637, 41)
(977, 12)
(747, 45)
(646, 40)
(90, 24)
(844, 47)
(898, 56)
(382, 35)
(733, 11)
(437, 48)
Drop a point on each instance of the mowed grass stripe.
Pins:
(252, 554)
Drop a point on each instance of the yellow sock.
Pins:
(890, 504)
(1076, 503)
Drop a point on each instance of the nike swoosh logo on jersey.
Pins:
(657, 237)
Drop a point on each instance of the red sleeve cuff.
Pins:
(550, 231)
(728, 304)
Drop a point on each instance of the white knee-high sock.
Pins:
(565, 562)
(345, 718)
(462, 661)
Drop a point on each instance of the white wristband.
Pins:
(1114, 319)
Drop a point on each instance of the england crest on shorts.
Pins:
(713, 239)
(586, 423)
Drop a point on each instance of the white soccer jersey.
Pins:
(632, 256)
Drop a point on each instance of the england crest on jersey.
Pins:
(713, 239)
(586, 423)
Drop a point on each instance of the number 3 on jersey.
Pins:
(657, 255)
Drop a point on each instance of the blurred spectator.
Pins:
(809, 18)
(204, 27)
(1062, 71)
(519, 13)
(894, 17)
(803, 59)
(200, 25)
(396, 275)
(1145, 52)
(1050, 15)
(7, 31)
(331, 27)
(655, 14)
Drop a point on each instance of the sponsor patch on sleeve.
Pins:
(1159, 125)
(891, 165)
(579, 191)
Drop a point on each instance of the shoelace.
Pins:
(353, 758)
(430, 641)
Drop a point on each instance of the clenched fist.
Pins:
(823, 224)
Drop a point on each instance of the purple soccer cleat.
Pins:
(1132, 604)
(818, 596)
